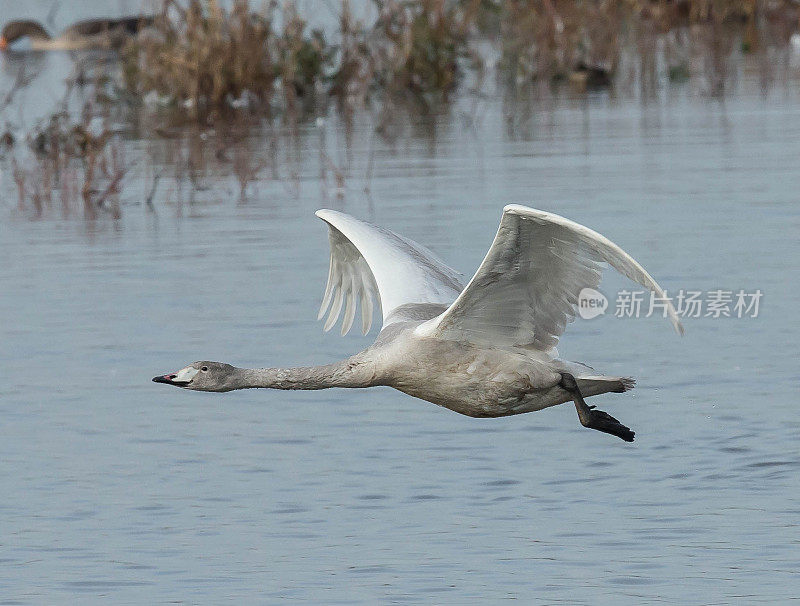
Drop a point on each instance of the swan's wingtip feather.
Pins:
(521, 209)
(544, 215)
(517, 209)
(674, 318)
(328, 215)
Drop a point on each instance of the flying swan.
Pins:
(484, 350)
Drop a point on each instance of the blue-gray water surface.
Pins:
(118, 489)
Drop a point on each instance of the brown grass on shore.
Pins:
(207, 58)
(204, 55)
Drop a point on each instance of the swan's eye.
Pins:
(204, 369)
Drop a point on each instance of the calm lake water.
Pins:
(117, 489)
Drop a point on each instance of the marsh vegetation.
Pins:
(207, 59)
(223, 87)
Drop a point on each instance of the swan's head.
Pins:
(201, 376)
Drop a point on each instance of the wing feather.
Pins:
(526, 290)
(366, 312)
(350, 306)
(328, 296)
(369, 261)
(337, 307)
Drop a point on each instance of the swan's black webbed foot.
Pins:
(591, 417)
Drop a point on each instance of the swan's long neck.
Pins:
(341, 374)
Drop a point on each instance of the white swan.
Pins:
(484, 350)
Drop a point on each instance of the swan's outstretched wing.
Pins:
(526, 290)
(367, 260)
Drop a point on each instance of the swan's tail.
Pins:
(595, 385)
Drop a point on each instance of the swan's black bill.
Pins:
(170, 381)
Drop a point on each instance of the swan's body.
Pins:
(484, 350)
(92, 33)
